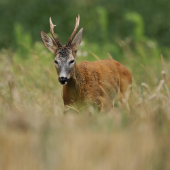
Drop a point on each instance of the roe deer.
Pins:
(87, 82)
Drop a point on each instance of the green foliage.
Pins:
(23, 41)
(138, 30)
(102, 20)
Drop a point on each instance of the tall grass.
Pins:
(36, 135)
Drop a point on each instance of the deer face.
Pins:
(64, 63)
(64, 55)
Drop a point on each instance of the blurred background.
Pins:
(103, 21)
(34, 133)
(119, 28)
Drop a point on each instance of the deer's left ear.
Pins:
(77, 40)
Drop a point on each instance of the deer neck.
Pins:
(77, 77)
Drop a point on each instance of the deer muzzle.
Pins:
(63, 80)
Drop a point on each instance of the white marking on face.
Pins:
(63, 74)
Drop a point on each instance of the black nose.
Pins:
(63, 80)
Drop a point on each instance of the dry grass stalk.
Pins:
(94, 55)
(160, 86)
(146, 86)
(109, 56)
(10, 89)
(153, 96)
(71, 107)
(164, 75)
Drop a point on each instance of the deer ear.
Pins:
(49, 43)
(77, 40)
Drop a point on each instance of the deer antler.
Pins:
(52, 33)
(74, 31)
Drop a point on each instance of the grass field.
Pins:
(36, 135)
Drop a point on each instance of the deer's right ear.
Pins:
(49, 43)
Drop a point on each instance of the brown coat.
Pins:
(97, 83)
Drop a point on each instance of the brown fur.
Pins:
(97, 83)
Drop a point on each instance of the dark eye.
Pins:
(55, 61)
(71, 62)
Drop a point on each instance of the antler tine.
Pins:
(74, 31)
(52, 33)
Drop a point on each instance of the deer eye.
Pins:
(55, 61)
(71, 62)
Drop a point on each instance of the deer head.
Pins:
(64, 55)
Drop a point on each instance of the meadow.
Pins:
(36, 135)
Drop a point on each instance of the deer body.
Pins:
(97, 83)
(87, 82)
